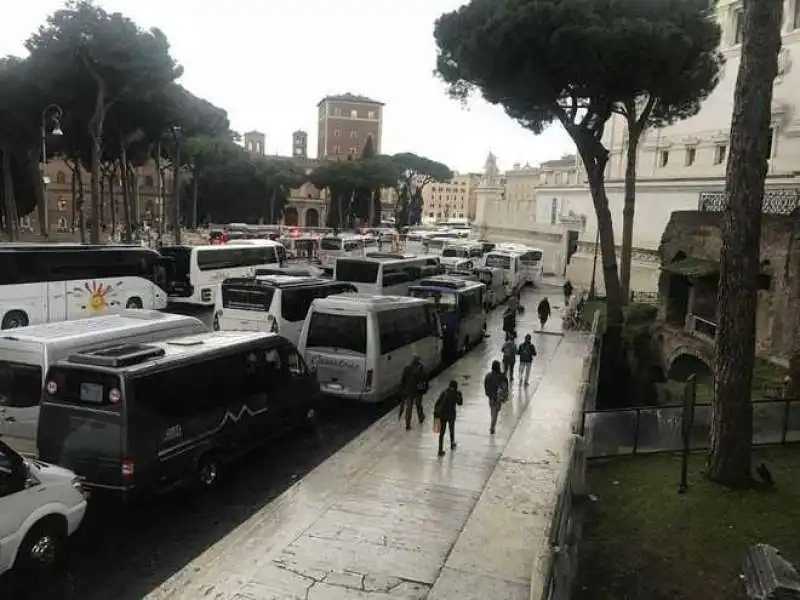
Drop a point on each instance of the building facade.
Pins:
(454, 199)
(346, 122)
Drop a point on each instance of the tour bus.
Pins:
(460, 305)
(138, 419)
(508, 260)
(462, 257)
(26, 354)
(332, 247)
(276, 303)
(358, 345)
(386, 274)
(436, 244)
(530, 260)
(195, 272)
(42, 283)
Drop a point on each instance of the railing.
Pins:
(704, 327)
(655, 429)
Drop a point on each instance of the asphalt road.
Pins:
(124, 552)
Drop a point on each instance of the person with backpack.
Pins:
(445, 411)
(495, 385)
(509, 351)
(526, 353)
(509, 320)
(544, 311)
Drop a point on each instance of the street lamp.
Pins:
(55, 114)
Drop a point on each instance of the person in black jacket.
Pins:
(413, 385)
(495, 385)
(445, 411)
(544, 311)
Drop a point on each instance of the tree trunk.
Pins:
(195, 196)
(9, 199)
(792, 275)
(126, 195)
(628, 211)
(81, 213)
(112, 200)
(102, 188)
(729, 459)
(94, 182)
(136, 204)
(73, 189)
(159, 212)
(176, 192)
(272, 200)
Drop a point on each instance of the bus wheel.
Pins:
(14, 319)
(41, 548)
(208, 470)
(134, 302)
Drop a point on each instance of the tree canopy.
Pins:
(567, 61)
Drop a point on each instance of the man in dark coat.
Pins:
(445, 411)
(544, 311)
(495, 385)
(413, 385)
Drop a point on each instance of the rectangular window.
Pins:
(20, 385)
(663, 158)
(719, 154)
(353, 134)
(337, 112)
(354, 114)
(691, 155)
(336, 150)
(337, 132)
(371, 115)
(347, 332)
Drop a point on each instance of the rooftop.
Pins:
(348, 97)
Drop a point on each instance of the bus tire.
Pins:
(134, 302)
(208, 470)
(14, 319)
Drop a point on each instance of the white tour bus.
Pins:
(508, 260)
(386, 274)
(195, 272)
(27, 353)
(272, 303)
(332, 247)
(358, 345)
(530, 260)
(42, 283)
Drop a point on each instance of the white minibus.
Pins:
(27, 353)
(195, 272)
(530, 261)
(332, 247)
(386, 274)
(273, 303)
(43, 283)
(508, 260)
(358, 345)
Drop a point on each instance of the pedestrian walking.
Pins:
(413, 384)
(495, 385)
(509, 320)
(513, 301)
(526, 353)
(544, 311)
(568, 289)
(445, 412)
(509, 351)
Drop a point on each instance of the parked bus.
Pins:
(27, 353)
(138, 419)
(460, 305)
(530, 260)
(276, 303)
(508, 261)
(358, 345)
(42, 283)
(332, 247)
(386, 274)
(195, 272)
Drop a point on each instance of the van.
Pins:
(274, 303)
(27, 353)
(358, 345)
(139, 419)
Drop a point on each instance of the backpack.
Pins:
(502, 392)
(509, 350)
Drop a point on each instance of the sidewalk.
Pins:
(386, 519)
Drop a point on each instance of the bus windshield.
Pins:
(445, 301)
(499, 261)
(357, 271)
(178, 257)
(454, 252)
(331, 244)
(347, 332)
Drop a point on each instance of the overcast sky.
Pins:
(269, 62)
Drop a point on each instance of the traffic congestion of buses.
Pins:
(105, 392)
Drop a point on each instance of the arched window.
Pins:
(61, 177)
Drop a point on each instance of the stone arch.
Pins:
(290, 217)
(686, 353)
(312, 217)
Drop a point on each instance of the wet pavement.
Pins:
(376, 520)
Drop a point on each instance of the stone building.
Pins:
(689, 253)
(454, 199)
(346, 121)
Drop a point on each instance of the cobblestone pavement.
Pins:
(166, 548)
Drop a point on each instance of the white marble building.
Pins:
(675, 166)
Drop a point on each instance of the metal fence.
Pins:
(653, 429)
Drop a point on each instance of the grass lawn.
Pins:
(644, 541)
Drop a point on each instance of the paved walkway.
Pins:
(386, 519)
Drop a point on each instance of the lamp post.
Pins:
(55, 113)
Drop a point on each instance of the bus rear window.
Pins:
(20, 385)
(179, 259)
(330, 244)
(247, 298)
(498, 261)
(93, 389)
(347, 332)
(357, 271)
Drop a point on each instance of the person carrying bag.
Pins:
(444, 413)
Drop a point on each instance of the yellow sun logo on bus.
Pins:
(98, 296)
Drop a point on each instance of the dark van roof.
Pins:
(137, 358)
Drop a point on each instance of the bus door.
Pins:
(56, 301)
